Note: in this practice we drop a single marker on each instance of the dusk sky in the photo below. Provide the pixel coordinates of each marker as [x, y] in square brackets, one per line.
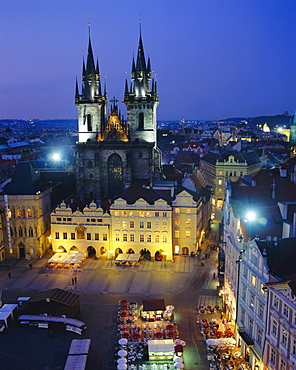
[214, 59]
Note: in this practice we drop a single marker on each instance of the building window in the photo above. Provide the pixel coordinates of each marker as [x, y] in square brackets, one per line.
[132, 237]
[219, 182]
[294, 347]
[187, 234]
[148, 214]
[149, 238]
[157, 238]
[148, 224]
[283, 364]
[9, 213]
[164, 239]
[88, 236]
[177, 233]
[286, 310]
[156, 225]
[251, 325]
[262, 288]
[131, 214]
[124, 213]
[261, 309]
[20, 232]
[177, 222]
[116, 213]
[30, 231]
[142, 214]
[284, 337]
[272, 355]
[125, 237]
[187, 210]
[18, 213]
[141, 224]
[92, 220]
[156, 214]
[124, 224]
[73, 236]
[245, 272]
[80, 233]
[115, 175]
[132, 224]
[164, 225]
[253, 280]
[29, 213]
[177, 210]
[243, 316]
[244, 293]
[141, 238]
[259, 336]
[104, 237]
[65, 236]
[276, 301]
[252, 300]
[57, 235]
[164, 214]
[117, 237]
[274, 327]
[188, 221]
[97, 236]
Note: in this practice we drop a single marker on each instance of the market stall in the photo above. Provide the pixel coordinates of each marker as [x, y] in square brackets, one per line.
[161, 347]
[66, 260]
[128, 259]
[155, 310]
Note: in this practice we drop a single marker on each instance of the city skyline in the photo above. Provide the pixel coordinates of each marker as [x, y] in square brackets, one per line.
[212, 59]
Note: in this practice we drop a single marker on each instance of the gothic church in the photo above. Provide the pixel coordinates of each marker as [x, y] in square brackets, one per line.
[113, 153]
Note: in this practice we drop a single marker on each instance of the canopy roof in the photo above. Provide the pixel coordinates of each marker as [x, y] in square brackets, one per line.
[153, 305]
[129, 257]
[72, 257]
[163, 345]
[55, 295]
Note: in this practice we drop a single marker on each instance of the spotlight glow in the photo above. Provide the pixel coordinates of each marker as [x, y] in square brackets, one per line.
[251, 216]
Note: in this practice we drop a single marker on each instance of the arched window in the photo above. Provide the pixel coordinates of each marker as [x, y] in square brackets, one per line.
[19, 213]
[30, 231]
[141, 121]
[11, 232]
[89, 164]
[80, 232]
[89, 125]
[115, 175]
[9, 213]
[29, 213]
[20, 233]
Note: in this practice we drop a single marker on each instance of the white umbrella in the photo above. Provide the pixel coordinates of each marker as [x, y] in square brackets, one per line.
[122, 366]
[179, 365]
[178, 360]
[122, 360]
[122, 341]
[122, 353]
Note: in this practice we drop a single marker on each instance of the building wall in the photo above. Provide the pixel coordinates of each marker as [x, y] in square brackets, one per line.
[141, 225]
[81, 230]
[29, 223]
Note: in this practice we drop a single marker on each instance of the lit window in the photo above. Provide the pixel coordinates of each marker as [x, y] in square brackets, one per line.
[142, 214]
[131, 214]
[187, 234]
[141, 238]
[157, 238]
[9, 213]
[220, 182]
[124, 237]
[116, 213]
[29, 213]
[177, 222]
[177, 210]
[188, 221]
[104, 237]
[124, 213]
[132, 237]
[164, 239]
[177, 234]
[164, 225]
[262, 288]
[284, 337]
[148, 214]
[252, 300]
[253, 280]
[124, 224]
[149, 238]
[18, 213]
[187, 210]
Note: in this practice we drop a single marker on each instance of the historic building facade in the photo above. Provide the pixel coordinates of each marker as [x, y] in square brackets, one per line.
[113, 153]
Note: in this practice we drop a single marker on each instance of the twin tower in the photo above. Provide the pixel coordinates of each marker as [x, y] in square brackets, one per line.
[114, 153]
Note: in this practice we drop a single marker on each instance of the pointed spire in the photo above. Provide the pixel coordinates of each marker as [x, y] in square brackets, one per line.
[133, 67]
[141, 64]
[126, 87]
[76, 92]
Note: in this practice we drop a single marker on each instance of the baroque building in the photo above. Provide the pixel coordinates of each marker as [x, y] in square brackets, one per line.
[113, 153]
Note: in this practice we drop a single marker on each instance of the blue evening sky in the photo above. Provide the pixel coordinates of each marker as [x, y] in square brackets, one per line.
[213, 58]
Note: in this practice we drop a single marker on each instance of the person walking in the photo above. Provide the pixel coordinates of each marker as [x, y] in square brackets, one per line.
[30, 266]
[75, 280]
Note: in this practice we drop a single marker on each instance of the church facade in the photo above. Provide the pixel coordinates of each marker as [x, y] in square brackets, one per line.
[114, 153]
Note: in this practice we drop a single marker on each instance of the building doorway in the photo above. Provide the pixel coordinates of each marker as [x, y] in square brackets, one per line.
[185, 251]
[91, 252]
[22, 253]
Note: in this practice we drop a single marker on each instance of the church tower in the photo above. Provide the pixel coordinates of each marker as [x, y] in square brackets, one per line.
[91, 104]
[141, 99]
[293, 131]
[113, 153]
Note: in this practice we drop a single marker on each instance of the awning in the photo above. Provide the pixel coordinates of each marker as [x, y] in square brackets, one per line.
[164, 345]
[76, 362]
[72, 257]
[129, 257]
[246, 338]
[220, 341]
